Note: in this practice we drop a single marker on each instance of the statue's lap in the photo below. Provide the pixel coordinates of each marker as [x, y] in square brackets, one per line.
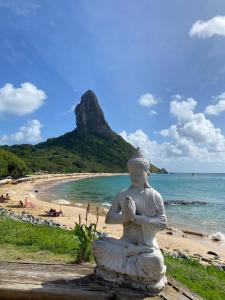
[111, 250]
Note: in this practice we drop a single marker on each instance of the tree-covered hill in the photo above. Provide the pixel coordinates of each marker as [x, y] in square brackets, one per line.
[75, 152]
[11, 165]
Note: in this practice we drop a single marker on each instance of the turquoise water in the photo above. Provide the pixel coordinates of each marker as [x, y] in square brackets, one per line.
[210, 188]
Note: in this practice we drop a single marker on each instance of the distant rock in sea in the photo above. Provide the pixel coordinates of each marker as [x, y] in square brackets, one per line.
[184, 202]
[163, 171]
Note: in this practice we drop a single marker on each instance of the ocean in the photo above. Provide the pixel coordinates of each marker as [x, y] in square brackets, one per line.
[210, 188]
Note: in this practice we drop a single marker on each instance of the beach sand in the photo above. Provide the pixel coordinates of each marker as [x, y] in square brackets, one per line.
[186, 243]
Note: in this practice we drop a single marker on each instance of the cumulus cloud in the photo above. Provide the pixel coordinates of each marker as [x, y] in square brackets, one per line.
[22, 100]
[151, 149]
[182, 109]
[192, 138]
[29, 133]
[147, 100]
[219, 107]
[206, 29]
[194, 128]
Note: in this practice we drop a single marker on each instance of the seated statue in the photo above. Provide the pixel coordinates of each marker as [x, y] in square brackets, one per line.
[135, 260]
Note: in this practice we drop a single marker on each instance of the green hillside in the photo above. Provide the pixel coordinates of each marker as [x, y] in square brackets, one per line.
[76, 152]
[11, 164]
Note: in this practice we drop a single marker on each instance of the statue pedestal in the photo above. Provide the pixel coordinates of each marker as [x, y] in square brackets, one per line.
[121, 280]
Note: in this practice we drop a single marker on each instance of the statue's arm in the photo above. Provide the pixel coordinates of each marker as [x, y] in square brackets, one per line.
[159, 221]
[114, 215]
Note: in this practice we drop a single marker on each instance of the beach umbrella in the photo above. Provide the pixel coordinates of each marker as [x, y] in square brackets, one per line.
[61, 202]
[30, 195]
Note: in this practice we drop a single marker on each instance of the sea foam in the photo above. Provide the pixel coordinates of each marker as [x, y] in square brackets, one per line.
[217, 236]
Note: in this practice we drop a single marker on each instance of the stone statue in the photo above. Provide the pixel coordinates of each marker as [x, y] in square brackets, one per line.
[135, 260]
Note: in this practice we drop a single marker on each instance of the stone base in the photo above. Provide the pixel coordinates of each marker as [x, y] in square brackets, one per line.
[150, 288]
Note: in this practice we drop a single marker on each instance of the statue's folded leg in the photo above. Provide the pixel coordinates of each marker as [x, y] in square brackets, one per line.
[145, 270]
[151, 265]
[109, 253]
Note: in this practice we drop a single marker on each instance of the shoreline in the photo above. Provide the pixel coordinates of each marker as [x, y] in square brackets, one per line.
[169, 240]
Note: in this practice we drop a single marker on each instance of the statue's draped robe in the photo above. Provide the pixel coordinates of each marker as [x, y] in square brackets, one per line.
[137, 253]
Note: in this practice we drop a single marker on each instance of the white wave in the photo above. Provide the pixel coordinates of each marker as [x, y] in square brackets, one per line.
[217, 236]
[107, 204]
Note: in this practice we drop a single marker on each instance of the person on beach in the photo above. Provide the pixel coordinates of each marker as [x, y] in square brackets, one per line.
[2, 199]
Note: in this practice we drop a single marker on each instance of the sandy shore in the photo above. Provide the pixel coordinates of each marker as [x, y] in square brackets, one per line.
[186, 243]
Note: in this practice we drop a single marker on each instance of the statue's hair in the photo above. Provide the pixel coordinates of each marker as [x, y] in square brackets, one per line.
[138, 160]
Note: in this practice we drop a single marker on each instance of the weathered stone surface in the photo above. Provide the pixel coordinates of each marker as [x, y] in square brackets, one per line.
[23, 281]
[89, 116]
[213, 253]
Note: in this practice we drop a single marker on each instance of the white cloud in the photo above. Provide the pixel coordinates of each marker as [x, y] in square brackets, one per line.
[152, 112]
[20, 7]
[193, 140]
[194, 128]
[151, 149]
[181, 109]
[29, 133]
[219, 107]
[72, 108]
[206, 29]
[22, 100]
[147, 100]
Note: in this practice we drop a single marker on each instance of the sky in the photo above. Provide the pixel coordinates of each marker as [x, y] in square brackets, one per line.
[156, 66]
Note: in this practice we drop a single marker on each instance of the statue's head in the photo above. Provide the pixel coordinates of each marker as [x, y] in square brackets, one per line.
[138, 168]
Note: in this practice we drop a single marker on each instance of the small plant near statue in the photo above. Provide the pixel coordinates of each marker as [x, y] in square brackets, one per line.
[85, 234]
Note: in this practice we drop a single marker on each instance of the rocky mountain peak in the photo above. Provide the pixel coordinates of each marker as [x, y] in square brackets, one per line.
[90, 117]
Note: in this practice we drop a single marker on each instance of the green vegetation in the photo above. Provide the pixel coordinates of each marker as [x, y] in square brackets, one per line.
[85, 235]
[37, 239]
[76, 152]
[11, 165]
[11, 252]
[208, 282]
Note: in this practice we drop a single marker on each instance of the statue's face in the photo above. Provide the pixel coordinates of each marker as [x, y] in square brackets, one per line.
[138, 176]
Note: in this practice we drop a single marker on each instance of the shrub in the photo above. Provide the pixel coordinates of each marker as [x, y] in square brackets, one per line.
[85, 235]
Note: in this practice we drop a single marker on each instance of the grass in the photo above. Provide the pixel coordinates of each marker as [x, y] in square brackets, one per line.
[208, 282]
[27, 238]
[27, 242]
[10, 252]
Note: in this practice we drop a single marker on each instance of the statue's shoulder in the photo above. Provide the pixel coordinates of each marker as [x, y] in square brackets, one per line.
[153, 193]
[122, 194]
